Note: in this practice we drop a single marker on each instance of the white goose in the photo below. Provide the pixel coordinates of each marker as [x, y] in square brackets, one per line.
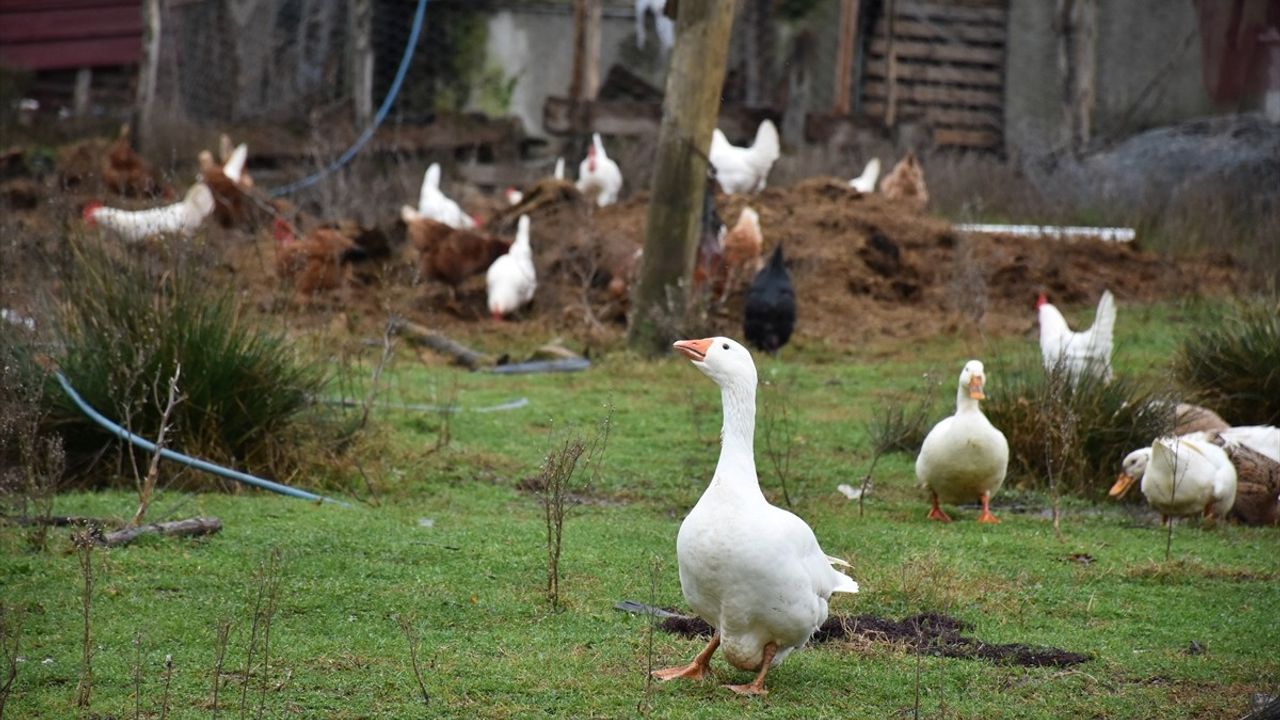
[753, 571]
[964, 457]
[1181, 476]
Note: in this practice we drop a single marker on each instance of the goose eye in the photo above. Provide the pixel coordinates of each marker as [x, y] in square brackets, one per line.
[725, 346]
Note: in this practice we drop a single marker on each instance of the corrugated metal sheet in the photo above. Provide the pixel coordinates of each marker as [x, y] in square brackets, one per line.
[60, 34]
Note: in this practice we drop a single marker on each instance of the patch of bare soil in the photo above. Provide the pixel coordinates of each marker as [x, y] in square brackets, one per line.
[930, 633]
[864, 268]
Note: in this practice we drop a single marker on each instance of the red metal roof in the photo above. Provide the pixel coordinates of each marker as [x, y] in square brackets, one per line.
[60, 34]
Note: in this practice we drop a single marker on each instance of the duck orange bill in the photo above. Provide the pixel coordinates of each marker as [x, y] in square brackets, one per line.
[695, 350]
[1123, 483]
[975, 389]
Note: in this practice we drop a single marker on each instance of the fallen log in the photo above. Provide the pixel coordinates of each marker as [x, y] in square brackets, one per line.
[183, 528]
[428, 338]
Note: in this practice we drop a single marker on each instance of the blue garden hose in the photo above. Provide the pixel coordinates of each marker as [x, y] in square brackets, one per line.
[381, 115]
[209, 467]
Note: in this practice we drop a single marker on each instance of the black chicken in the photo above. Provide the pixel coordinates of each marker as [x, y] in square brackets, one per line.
[771, 306]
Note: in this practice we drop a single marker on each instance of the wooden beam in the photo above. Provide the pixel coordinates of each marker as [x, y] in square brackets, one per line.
[848, 42]
[878, 68]
[689, 112]
[974, 97]
[944, 52]
[925, 30]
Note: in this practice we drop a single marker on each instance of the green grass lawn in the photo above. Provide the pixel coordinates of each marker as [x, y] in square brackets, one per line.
[472, 582]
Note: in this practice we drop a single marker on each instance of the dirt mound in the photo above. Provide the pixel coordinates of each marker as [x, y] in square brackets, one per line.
[863, 267]
[930, 633]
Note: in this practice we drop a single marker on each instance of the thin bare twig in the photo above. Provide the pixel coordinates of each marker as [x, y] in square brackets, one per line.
[148, 484]
[410, 632]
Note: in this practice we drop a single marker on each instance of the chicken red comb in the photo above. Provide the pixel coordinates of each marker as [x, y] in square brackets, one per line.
[1042, 300]
[479, 221]
[281, 230]
[87, 214]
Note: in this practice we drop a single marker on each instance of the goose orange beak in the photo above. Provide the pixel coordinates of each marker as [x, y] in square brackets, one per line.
[695, 350]
[975, 388]
[1123, 483]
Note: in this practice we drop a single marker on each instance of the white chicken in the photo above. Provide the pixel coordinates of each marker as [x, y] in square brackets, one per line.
[511, 279]
[866, 182]
[180, 218]
[741, 170]
[558, 173]
[1079, 353]
[664, 26]
[598, 175]
[435, 205]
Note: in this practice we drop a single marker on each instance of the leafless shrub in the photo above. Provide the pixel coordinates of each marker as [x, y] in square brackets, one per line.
[646, 699]
[84, 543]
[410, 632]
[11, 619]
[219, 658]
[168, 679]
[556, 487]
[147, 485]
[900, 425]
[778, 430]
[31, 462]
[265, 604]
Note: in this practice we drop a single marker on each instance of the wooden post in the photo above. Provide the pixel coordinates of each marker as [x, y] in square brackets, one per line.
[80, 93]
[585, 80]
[1077, 25]
[689, 112]
[848, 41]
[362, 61]
[148, 71]
[891, 68]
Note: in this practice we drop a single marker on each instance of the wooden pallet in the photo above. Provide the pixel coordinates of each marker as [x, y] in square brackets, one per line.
[942, 63]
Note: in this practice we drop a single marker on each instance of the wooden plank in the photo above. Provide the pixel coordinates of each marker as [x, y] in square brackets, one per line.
[942, 52]
[934, 115]
[940, 94]
[994, 15]
[36, 26]
[64, 54]
[891, 75]
[17, 6]
[967, 138]
[948, 74]
[945, 32]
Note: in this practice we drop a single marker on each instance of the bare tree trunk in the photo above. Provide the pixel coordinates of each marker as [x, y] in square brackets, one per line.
[362, 60]
[1077, 25]
[148, 72]
[759, 56]
[848, 41]
[689, 113]
[587, 16]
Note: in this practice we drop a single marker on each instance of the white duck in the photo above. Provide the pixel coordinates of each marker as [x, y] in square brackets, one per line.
[741, 170]
[753, 571]
[866, 182]
[599, 175]
[1080, 353]
[180, 218]
[1181, 476]
[511, 279]
[435, 205]
[964, 457]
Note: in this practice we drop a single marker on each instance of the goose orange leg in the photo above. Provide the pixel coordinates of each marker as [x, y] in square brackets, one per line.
[756, 687]
[695, 670]
[986, 516]
[936, 513]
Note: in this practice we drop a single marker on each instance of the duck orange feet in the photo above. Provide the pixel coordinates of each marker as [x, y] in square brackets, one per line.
[695, 670]
[986, 516]
[936, 512]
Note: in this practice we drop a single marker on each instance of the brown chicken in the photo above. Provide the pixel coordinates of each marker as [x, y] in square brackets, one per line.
[126, 172]
[448, 255]
[906, 183]
[228, 196]
[315, 263]
[740, 253]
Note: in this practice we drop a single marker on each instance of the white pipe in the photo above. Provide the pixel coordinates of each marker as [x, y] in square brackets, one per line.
[1106, 234]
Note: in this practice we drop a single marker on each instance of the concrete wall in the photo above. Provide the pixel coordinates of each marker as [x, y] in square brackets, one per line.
[536, 46]
[1141, 44]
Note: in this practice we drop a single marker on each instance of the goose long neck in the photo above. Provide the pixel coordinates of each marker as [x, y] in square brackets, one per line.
[737, 436]
[964, 403]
